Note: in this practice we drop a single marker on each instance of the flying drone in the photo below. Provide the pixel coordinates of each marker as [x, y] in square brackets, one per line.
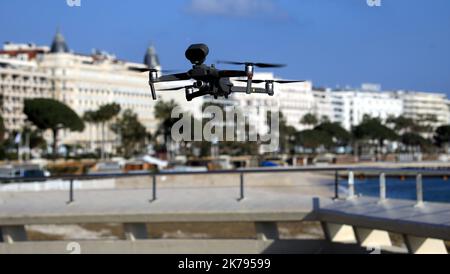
[208, 80]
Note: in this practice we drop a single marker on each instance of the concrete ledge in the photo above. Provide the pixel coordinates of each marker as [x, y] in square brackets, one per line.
[418, 245]
[12, 234]
[398, 216]
[372, 237]
[168, 217]
[137, 231]
[266, 231]
[339, 233]
[183, 247]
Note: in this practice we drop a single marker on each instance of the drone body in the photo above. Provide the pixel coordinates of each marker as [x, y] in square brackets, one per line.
[208, 80]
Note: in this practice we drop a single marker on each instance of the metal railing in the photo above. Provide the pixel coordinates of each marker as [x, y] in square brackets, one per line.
[338, 172]
[417, 174]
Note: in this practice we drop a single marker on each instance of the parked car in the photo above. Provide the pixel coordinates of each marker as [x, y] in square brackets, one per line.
[21, 172]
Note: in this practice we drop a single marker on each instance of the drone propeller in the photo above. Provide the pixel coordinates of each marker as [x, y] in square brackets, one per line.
[273, 81]
[148, 69]
[176, 88]
[232, 73]
[259, 65]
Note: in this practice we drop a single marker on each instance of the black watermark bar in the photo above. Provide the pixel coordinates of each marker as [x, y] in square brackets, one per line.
[228, 263]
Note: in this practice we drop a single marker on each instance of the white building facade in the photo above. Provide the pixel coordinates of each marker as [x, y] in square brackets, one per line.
[83, 82]
[293, 100]
[425, 106]
[20, 79]
[350, 107]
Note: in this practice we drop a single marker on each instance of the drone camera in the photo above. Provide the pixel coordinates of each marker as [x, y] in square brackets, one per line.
[189, 92]
[198, 84]
[269, 88]
[197, 53]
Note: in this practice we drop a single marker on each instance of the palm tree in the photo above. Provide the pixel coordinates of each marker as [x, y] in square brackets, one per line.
[309, 120]
[2, 129]
[373, 129]
[90, 118]
[163, 112]
[104, 115]
[132, 133]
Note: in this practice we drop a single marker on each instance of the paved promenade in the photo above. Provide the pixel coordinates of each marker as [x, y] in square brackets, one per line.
[222, 204]
[174, 204]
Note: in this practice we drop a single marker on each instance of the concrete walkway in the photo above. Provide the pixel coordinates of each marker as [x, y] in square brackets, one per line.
[363, 220]
[222, 205]
[172, 205]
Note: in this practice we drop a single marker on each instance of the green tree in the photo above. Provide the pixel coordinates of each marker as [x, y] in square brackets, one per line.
[49, 114]
[402, 123]
[233, 148]
[340, 136]
[415, 140]
[2, 130]
[288, 134]
[2, 138]
[325, 119]
[132, 133]
[103, 115]
[373, 129]
[410, 128]
[163, 113]
[90, 117]
[442, 137]
[35, 137]
[309, 120]
[314, 139]
[426, 124]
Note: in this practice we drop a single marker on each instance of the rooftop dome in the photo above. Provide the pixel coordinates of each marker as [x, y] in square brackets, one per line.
[151, 59]
[59, 44]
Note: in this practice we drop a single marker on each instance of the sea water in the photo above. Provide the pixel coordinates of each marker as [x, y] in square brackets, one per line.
[435, 189]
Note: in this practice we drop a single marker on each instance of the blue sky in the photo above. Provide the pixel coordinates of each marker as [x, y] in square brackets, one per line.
[404, 44]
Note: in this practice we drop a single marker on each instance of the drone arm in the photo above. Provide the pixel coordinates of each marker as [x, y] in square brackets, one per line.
[249, 70]
[173, 77]
[236, 89]
[194, 95]
[249, 86]
[152, 88]
[152, 77]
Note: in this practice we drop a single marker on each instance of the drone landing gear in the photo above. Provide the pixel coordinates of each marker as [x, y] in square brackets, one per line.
[250, 70]
[190, 94]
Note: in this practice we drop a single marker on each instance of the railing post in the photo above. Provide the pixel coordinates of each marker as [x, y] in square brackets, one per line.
[382, 187]
[71, 198]
[242, 194]
[154, 196]
[336, 184]
[419, 190]
[351, 185]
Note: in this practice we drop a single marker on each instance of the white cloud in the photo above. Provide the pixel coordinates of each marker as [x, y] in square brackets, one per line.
[235, 8]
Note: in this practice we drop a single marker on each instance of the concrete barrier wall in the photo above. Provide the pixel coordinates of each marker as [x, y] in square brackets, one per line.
[307, 180]
[58, 185]
[182, 247]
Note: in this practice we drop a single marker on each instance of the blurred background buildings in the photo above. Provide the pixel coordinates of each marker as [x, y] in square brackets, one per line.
[86, 81]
